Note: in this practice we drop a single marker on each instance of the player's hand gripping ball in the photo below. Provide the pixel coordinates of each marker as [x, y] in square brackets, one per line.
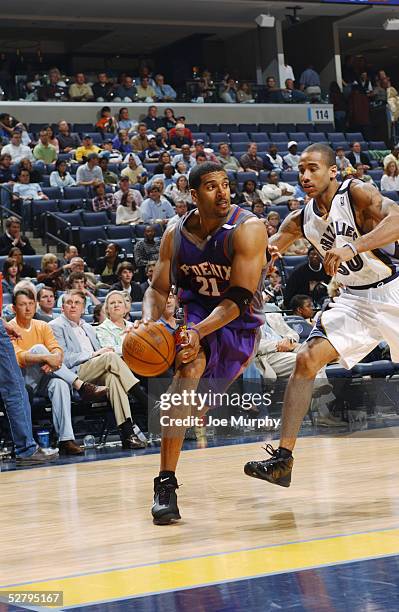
[149, 350]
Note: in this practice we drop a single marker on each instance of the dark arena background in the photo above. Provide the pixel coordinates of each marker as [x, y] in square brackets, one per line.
[107, 113]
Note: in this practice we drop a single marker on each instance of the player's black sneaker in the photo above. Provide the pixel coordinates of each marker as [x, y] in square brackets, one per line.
[164, 509]
[277, 469]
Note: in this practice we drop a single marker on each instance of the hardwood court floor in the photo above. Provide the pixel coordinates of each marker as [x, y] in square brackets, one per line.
[94, 517]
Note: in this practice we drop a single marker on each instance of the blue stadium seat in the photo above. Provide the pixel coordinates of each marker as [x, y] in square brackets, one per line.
[73, 218]
[281, 209]
[137, 306]
[53, 193]
[324, 127]
[91, 219]
[302, 145]
[377, 145]
[259, 137]
[286, 127]
[336, 136]
[228, 127]
[34, 260]
[379, 369]
[278, 137]
[282, 147]
[200, 136]
[139, 230]
[239, 137]
[120, 231]
[267, 127]
[91, 234]
[245, 176]
[45, 182]
[127, 244]
[72, 193]
[298, 136]
[354, 136]
[36, 127]
[64, 156]
[392, 195]
[208, 127]
[239, 147]
[305, 127]
[97, 137]
[289, 176]
[194, 127]
[70, 205]
[150, 168]
[219, 137]
[317, 137]
[248, 127]
[376, 174]
[82, 128]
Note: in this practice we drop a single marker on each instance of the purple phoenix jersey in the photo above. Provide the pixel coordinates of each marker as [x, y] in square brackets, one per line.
[201, 271]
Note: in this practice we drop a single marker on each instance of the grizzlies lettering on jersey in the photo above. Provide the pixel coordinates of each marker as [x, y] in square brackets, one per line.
[201, 269]
[339, 227]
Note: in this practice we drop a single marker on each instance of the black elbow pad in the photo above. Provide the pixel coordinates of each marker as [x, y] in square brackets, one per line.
[240, 296]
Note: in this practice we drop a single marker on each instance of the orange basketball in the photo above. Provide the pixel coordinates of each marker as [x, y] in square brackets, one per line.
[149, 350]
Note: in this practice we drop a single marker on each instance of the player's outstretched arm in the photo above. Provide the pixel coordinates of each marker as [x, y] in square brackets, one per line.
[289, 231]
[378, 219]
[155, 297]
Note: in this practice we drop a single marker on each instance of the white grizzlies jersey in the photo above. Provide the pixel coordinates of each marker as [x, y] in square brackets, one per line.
[338, 228]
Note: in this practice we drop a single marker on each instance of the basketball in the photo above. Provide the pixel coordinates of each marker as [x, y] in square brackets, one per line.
[149, 350]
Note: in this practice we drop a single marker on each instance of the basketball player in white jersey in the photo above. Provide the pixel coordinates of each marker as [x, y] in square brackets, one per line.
[355, 229]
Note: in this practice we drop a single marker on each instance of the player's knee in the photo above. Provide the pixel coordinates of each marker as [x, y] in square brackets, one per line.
[192, 370]
[306, 366]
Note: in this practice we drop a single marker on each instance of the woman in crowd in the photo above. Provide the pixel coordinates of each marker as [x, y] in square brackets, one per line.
[60, 177]
[181, 168]
[126, 283]
[169, 120]
[11, 275]
[52, 275]
[52, 139]
[162, 138]
[111, 333]
[124, 122]
[390, 178]
[164, 159]
[36, 175]
[25, 270]
[251, 194]
[127, 212]
[179, 191]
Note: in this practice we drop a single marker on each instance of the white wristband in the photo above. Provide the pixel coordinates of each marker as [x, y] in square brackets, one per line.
[352, 247]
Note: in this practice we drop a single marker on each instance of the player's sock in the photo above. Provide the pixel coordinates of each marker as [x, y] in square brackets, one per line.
[284, 453]
[165, 474]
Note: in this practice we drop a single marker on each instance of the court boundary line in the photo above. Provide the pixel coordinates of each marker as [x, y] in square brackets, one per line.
[232, 580]
[203, 556]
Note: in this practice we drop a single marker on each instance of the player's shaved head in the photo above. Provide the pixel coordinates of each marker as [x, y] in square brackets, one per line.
[201, 170]
[326, 152]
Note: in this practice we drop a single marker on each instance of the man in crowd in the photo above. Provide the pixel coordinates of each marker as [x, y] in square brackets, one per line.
[181, 209]
[156, 208]
[44, 151]
[145, 92]
[163, 92]
[308, 279]
[41, 357]
[146, 250]
[357, 156]
[102, 88]
[110, 178]
[125, 190]
[140, 141]
[277, 191]
[90, 174]
[83, 152]
[14, 238]
[16, 149]
[152, 121]
[292, 159]
[68, 142]
[226, 159]
[84, 357]
[56, 90]
[273, 161]
[126, 91]
[251, 160]
[80, 91]
[45, 305]
[184, 156]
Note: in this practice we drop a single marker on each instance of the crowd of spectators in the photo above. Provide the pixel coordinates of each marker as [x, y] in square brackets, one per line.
[73, 313]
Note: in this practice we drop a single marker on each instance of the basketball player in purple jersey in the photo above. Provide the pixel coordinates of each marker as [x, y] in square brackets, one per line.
[216, 256]
[355, 229]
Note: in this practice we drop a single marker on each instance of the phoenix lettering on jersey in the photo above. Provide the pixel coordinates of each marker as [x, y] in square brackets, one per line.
[337, 228]
[207, 269]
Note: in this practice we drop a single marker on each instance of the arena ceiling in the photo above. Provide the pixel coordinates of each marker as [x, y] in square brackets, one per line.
[140, 26]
